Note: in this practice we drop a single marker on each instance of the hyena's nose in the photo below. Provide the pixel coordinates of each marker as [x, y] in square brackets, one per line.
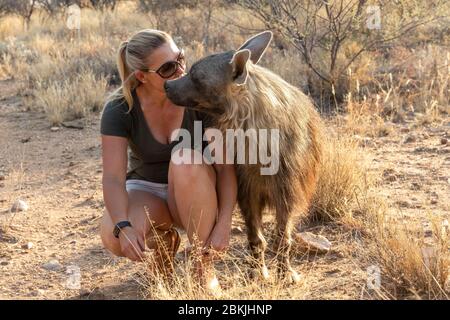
[166, 87]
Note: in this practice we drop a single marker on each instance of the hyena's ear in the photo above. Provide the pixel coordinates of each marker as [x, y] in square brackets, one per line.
[239, 66]
[258, 45]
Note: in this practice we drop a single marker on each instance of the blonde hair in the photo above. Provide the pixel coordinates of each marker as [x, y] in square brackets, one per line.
[133, 55]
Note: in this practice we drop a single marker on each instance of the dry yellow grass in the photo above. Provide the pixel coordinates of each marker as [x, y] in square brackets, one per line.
[67, 76]
[73, 98]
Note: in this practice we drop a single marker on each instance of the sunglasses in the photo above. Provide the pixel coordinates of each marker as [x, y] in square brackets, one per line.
[169, 68]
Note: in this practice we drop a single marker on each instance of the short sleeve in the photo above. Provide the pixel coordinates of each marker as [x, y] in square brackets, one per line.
[115, 121]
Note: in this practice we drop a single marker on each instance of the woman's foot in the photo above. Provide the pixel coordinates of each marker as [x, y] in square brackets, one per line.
[205, 275]
[165, 244]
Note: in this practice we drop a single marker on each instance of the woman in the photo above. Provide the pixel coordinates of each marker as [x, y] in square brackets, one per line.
[150, 195]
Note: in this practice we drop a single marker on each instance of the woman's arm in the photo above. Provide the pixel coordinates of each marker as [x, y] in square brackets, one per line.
[114, 155]
[226, 195]
[226, 188]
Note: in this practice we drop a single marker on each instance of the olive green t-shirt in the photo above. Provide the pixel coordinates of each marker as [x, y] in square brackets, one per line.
[148, 159]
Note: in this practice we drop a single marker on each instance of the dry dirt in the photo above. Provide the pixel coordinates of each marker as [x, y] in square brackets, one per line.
[58, 173]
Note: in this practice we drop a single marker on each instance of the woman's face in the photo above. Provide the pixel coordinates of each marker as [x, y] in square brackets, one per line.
[166, 53]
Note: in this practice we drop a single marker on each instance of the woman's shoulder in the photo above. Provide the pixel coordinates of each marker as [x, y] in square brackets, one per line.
[116, 105]
[115, 118]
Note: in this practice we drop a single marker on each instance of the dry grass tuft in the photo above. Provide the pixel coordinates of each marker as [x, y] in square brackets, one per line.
[73, 98]
[343, 181]
[413, 265]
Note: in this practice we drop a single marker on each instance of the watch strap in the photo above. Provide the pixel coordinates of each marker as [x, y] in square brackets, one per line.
[119, 226]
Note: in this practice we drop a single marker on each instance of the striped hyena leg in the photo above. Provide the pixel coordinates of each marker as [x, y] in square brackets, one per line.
[252, 212]
[283, 242]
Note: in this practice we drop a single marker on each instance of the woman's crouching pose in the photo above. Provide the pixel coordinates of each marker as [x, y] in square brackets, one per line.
[146, 193]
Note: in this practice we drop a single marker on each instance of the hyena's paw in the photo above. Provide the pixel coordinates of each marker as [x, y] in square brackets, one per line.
[292, 277]
[260, 273]
[288, 275]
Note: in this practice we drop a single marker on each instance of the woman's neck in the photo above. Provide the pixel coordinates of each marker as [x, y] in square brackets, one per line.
[151, 98]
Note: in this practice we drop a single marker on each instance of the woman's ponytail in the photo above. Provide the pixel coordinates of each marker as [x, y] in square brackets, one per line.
[129, 81]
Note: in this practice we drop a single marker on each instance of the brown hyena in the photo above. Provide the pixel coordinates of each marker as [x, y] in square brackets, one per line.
[239, 94]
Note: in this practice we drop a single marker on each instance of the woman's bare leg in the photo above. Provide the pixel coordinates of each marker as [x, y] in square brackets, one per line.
[192, 201]
[158, 212]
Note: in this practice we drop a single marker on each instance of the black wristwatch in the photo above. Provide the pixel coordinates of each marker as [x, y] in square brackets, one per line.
[119, 226]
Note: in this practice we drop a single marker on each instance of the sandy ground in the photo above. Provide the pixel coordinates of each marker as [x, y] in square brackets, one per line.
[58, 173]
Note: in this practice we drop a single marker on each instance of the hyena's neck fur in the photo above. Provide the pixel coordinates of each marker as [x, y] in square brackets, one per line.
[266, 101]
[265, 96]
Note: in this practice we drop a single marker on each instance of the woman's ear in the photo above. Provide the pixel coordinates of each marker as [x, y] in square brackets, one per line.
[140, 76]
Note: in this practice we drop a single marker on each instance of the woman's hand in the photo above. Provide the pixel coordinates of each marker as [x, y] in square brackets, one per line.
[132, 244]
[219, 239]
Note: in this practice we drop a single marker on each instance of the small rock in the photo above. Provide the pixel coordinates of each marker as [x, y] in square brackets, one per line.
[409, 138]
[433, 201]
[405, 130]
[425, 149]
[415, 186]
[4, 263]
[71, 164]
[19, 205]
[390, 178]
[313, 242]
[444, 141]
[2, 177]
[38, 292]
[54, 129]
[53, 265]
[84, 292]
[25, 140]
[73, 242]
[404, 203]
[28, 246]
[75, 124]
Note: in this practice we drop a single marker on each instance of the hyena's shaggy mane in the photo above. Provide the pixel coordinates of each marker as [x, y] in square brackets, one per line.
[267, 101]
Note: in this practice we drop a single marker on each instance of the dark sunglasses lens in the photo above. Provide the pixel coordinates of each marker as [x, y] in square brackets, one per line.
[168, 69]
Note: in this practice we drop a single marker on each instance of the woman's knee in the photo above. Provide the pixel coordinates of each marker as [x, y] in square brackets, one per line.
[190, 171]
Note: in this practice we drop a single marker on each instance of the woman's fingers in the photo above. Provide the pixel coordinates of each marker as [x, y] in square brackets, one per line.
[141, 243]
[131, 247]
[132, 252]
